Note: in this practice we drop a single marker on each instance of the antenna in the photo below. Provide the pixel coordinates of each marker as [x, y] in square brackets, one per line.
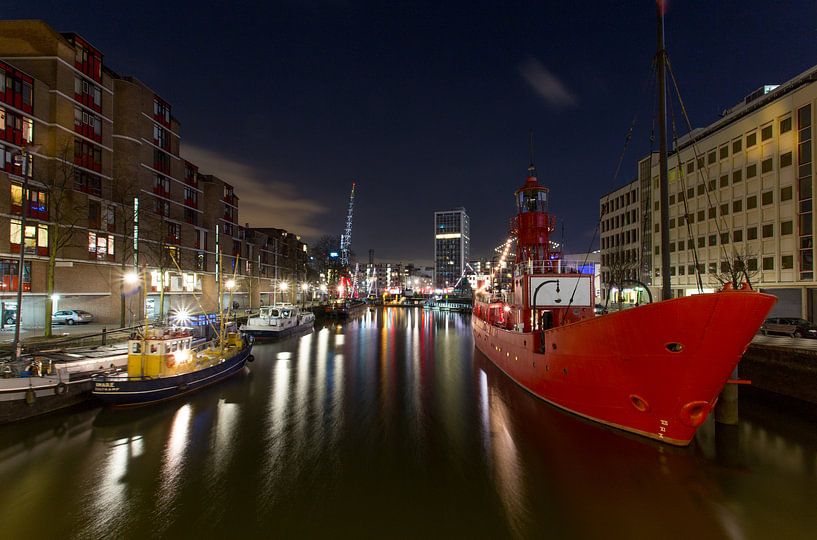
[531, 167]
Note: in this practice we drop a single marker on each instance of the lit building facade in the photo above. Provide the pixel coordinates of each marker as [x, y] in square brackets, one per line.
[740, 196]
[109, 194]
[620, 241]
[451, 246]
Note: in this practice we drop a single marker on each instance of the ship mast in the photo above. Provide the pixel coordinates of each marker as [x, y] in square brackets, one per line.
[661, 60]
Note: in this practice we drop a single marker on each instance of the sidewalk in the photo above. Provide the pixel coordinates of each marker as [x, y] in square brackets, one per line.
[59, 331]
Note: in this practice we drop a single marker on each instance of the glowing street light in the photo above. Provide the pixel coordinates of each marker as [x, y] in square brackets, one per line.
[181, 316]
[230, 285]
[283, 286]
[304, 287]
[131, 278]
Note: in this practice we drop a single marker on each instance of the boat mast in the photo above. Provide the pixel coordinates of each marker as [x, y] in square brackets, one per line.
[661, 60]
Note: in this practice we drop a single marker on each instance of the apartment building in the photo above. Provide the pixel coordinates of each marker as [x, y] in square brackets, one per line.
[56, 100]
[109, 194]
[741, 196]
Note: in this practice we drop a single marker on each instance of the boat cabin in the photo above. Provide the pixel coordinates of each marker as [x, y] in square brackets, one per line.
[161, 353]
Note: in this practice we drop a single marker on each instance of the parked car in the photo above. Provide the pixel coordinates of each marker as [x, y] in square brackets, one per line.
[799, 328]
[9, 316]
[72, 316]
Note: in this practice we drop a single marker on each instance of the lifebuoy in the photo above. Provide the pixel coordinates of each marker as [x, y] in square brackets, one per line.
[171, 361]
[61, 388]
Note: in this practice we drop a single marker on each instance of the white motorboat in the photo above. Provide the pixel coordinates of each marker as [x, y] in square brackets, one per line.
[277, 321]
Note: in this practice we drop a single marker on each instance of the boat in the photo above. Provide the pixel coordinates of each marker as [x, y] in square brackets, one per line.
[278, 321]
[655, 369]
[52, 380]
[344, 308]
[163, 364]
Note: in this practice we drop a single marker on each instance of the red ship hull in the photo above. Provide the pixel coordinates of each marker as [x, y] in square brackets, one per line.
[655, 370]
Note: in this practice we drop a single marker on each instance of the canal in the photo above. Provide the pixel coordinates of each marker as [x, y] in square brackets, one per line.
[391, 425]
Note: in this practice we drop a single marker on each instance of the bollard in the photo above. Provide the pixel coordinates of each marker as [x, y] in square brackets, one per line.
[104, 336]
[726, 411]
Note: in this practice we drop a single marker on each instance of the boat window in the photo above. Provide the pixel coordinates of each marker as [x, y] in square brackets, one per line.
[174, 346]
[273, 313]
[532, 200]
[154, 348]
[285, 313]
[264, 312]
[137, 348]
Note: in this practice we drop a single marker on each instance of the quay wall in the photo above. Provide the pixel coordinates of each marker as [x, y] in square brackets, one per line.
[782, 370]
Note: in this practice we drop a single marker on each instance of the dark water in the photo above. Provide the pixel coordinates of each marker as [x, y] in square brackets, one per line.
[393, 426]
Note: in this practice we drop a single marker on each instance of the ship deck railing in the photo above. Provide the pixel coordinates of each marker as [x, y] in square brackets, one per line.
[556, 266]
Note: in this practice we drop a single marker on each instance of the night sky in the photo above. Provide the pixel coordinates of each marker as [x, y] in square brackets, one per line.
[428, 106]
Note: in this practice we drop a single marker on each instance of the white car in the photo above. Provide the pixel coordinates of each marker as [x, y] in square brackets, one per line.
[72, 316]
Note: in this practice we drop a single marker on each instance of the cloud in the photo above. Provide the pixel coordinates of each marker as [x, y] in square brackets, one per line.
[547, 85]
[262, 202]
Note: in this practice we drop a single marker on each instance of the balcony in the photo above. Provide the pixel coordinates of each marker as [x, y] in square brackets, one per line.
[161, 191]
[35, 210]
[87, 162]
[191, 203]
[42, 251]
[158, 117]
[230, 199]
[162, 166]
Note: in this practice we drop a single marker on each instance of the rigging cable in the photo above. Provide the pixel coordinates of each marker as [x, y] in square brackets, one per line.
[698, 160]
[648, 83]
[684, 196]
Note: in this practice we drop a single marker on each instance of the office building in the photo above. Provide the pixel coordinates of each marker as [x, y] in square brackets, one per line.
[740, 199]
[451, 246]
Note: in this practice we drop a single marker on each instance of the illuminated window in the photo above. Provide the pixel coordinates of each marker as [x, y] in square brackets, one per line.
[16, 195]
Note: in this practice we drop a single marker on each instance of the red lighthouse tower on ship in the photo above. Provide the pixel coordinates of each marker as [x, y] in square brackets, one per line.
[655, 370]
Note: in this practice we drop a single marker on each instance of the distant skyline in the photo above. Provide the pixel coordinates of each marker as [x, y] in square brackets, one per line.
[428, 106]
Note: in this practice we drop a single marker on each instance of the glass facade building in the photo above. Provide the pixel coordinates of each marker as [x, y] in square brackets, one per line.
[451, 246]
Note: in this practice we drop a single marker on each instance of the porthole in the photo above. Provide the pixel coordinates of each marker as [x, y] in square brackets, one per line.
[674, 347]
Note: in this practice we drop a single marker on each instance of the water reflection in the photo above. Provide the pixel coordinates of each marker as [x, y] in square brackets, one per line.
[392, 425]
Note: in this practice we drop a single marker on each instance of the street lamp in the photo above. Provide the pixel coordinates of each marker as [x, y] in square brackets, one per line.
[283, 286]
[230, 284]
[24, 154]
[304, 290]
[131, 278]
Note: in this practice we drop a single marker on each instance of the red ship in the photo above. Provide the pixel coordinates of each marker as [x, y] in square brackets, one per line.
[655, 370]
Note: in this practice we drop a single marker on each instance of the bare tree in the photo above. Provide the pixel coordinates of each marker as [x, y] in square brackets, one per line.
[63, 222]
[735, 269]
[622, 265]
[124, 191]
[158, 247]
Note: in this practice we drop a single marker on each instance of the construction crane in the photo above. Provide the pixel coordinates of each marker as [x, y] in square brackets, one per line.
[347, 284]
[346, 237]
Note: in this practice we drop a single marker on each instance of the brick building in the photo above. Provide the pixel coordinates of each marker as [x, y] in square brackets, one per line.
[110, 195]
